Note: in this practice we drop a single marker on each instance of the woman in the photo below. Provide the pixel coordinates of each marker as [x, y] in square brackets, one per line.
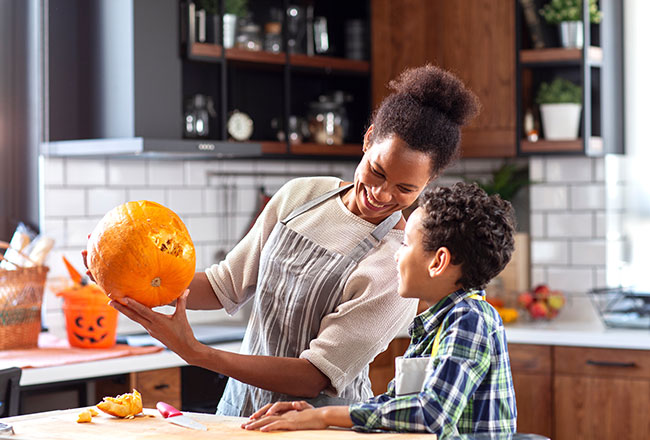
[318, 263]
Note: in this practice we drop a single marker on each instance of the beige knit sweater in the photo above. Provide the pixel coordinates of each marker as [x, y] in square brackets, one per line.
[371, 312]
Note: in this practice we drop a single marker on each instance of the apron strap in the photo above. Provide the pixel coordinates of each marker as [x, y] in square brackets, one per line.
[436, 341]
[317, 201]
[377, 234]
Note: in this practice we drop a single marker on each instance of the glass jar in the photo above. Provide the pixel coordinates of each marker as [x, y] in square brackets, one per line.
[249, 37]
[326, 122]
[273, 37]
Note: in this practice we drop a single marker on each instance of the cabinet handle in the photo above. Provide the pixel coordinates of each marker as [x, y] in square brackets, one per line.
[161, 386]
[611, 364]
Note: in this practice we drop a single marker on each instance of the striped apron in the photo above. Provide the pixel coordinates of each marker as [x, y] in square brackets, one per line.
[299, 283]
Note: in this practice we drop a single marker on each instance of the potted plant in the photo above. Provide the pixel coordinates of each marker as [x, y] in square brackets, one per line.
[560, 103]
[568, 15]
[233, 9]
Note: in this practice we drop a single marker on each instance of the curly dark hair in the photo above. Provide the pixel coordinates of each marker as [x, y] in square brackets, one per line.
[478, 230]
[426, 110]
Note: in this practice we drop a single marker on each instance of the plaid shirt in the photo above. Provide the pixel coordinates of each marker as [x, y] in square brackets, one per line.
[470, 387]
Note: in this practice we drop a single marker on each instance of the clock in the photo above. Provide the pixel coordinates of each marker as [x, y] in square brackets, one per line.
[240, 126]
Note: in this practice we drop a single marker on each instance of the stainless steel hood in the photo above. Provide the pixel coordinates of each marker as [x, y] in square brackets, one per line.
[151, 149]
[114, 83]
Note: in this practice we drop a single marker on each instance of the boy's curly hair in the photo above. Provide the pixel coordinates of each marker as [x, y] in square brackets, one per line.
[426, 110]
[478, 230]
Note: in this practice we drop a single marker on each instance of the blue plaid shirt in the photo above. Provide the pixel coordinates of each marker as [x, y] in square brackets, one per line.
[470, 386]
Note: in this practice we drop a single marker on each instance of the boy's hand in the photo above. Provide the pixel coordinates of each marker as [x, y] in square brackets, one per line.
[311, 418]
[279, 408]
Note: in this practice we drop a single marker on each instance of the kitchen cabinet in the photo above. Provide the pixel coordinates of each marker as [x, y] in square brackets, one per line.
[382, 368]
[581, 393]
[408, 34]
[601, 393]
[597, 67]
[532, 378]
[275, 88]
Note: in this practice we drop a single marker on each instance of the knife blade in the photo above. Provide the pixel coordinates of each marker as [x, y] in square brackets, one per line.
[173, 415]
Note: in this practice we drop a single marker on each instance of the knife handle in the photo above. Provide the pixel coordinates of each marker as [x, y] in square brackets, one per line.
[167, 410]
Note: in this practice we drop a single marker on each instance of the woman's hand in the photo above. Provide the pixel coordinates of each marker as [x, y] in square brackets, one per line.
[173, 331]
[279, 408]
[291, 420]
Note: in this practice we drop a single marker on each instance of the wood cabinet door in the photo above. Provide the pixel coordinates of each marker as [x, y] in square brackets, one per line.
[531, 376]
[158, 385]
[601, 408]
[475, 39]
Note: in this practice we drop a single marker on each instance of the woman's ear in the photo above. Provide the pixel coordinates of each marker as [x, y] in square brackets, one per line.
[439, 263]
[366, 138]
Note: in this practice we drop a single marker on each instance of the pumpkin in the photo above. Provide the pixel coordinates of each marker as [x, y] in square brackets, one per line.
[89, 320]
[124, 405]
[141, 250]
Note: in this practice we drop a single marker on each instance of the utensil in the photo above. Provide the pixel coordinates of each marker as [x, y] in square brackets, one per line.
[173, 415]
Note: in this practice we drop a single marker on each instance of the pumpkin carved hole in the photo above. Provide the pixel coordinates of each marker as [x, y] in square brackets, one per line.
[168, 245]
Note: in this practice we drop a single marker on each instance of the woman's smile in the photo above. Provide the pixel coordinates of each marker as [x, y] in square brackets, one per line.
[371, 202]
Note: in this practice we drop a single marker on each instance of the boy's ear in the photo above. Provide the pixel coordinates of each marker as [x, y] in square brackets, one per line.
[440, 262]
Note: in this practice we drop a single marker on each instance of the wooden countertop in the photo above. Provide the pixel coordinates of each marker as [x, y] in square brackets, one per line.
[61, 425]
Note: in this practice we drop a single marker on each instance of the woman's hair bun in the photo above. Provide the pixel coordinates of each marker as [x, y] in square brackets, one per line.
[435, 87]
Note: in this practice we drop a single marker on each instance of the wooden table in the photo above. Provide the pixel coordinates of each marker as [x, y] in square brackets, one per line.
[62, 425]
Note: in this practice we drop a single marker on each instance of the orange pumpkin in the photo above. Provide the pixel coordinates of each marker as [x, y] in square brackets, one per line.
[142, 250]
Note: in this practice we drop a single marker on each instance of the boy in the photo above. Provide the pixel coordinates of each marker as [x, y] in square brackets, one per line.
[457, 240]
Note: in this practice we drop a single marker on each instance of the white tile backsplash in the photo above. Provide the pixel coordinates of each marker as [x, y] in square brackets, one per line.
[591, 196]
[78, 230]
[549, 252]
[569, 225]
[85, 172]
[146, 193]
[568, 170]
[571, 217]
[549, 197]
[589, 252]
[185, 200]
[102, 200]
[165, 173]
[64, 202]
[53, 172]
[571, 279]
[126, 172]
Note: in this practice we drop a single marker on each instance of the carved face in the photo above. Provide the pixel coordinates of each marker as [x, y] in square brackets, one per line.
[91, 328]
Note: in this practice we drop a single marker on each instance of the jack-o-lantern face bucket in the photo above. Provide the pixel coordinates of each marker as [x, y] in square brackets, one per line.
[89, 321]
[91, 327]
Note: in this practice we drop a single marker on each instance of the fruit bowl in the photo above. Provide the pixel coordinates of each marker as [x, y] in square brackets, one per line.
[542, 303]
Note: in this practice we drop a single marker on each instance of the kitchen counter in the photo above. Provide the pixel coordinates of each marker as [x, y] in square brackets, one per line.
[110, 367]
[577, 325]
[61, 425]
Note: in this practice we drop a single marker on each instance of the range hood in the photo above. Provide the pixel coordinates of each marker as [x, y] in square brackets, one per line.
[114, 83]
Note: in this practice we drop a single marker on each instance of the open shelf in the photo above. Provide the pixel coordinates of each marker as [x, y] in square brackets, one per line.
[559, 55]
[571, 146]
[308, 148]
[214, 52]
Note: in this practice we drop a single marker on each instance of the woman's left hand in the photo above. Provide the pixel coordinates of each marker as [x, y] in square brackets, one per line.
[289, 421]
[174, 331]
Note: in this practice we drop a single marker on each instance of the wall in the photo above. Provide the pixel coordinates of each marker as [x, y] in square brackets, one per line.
[217, 209]
[576, 210]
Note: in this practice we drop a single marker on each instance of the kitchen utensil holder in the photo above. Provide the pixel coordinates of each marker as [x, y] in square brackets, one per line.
[21, 298]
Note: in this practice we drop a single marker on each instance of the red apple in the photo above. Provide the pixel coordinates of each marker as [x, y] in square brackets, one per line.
[538, 310]
[525, 299]
[542, 291]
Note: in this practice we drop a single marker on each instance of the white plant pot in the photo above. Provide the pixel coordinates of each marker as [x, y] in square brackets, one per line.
[229, 30]
[571, 34]
[561, 122]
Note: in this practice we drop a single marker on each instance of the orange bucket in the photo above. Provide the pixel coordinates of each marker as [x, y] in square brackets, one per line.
[89, 321]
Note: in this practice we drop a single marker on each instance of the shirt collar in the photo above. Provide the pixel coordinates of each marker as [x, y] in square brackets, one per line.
[430, 319]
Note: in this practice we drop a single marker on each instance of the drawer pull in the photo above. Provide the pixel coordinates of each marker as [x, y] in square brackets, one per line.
[611, 364]
[161, 386]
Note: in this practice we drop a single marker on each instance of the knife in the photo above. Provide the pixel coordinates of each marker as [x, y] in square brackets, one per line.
[175, 416]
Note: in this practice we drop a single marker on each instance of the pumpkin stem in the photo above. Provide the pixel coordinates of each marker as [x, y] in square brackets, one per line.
[155, 282]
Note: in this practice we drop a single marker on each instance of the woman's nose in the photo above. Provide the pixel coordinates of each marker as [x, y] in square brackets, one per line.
[382, 194]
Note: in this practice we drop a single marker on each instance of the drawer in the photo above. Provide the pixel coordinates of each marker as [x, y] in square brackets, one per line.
[158, 385]
[605, 362]
[530, 358]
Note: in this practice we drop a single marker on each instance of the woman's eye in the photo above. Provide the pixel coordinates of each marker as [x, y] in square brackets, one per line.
[376, 173]
[405, 190]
